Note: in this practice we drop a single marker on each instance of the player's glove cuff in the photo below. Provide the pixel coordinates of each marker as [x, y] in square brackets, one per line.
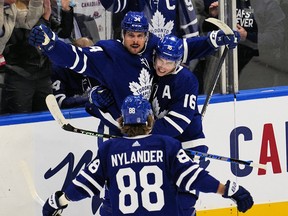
[219, 38]
[239, 195]
[53, 206]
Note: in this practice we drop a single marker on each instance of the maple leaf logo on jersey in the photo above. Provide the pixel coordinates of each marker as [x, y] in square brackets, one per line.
[156, 109]
[144, 86]
[158, 26]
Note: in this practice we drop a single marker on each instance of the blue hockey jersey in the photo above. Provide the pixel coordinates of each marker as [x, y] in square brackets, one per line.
[176, 17]
[70, 89]
[142, 175]
[174, 101]
[114, 67]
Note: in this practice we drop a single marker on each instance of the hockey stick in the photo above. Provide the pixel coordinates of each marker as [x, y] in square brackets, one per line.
[232, 160]
[58, 116]
[228, 31]
[29, 180]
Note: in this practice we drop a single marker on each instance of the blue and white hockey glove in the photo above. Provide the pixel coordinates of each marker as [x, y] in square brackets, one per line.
[239, 195]
[101, 97]
[52, 206]
[218, 38]
[43, 37]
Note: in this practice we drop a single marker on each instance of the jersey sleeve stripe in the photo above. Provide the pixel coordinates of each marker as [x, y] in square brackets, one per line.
[84, 64]
[91, 180]
[84, 187]
[76, 59]
[185, 54]
[185, 173]
[119, 9]
[194, 34]
[176, 126]
[60, 98]
[193, 22]
[178, 115]
[193, 143]
[192, 179]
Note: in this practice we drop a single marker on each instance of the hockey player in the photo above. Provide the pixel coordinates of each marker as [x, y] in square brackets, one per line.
[174, 100]
[154, 165]
[125, 67]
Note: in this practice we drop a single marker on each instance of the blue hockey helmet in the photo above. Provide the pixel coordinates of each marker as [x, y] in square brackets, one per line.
[135, 110]
[135, 21]
[170, 48]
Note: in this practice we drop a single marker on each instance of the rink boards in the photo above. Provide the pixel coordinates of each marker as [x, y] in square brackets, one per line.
[38, 157]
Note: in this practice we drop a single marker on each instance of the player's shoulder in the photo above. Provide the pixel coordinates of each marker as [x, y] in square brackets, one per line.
[165, 140]
[185, 75]
[111, 43]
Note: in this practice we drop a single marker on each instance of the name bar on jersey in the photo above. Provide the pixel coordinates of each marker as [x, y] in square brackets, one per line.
[144, 156]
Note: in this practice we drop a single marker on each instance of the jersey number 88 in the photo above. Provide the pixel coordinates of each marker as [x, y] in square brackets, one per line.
[129, 208]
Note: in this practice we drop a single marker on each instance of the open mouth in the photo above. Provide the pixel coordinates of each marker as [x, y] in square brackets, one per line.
[135, 46]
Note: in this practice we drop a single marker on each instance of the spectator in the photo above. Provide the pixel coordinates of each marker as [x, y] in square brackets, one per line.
[71, 89]
[163, 16]
[260, 24]
[11, 17]
[28, 71]
[168, 168]
[271, 30]
[246, 26]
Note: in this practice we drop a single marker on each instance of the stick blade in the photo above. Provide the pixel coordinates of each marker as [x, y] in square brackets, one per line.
[55, 110]
[221, 25]
[260, 166]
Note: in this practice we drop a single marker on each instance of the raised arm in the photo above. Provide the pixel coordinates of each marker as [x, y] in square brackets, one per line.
[35, 11]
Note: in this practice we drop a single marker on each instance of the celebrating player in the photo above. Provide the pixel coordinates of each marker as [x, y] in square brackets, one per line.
[143, 171]
[174, 100]
[125, 67]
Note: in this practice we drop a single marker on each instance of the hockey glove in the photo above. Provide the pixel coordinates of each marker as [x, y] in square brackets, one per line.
[218, 38]
[239, 195]
[42, 37]
[101, 97]
[52, 206]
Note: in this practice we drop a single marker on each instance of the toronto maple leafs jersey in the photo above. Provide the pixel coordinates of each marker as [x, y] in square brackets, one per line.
[176, 17]
[142, 175]
[174, 101]
[70, 89]
[116, 68]
[111, 64]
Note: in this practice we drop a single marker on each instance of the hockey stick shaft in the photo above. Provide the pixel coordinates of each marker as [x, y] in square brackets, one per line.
[228, 31]
[231, 160]
[60, 119]
[69, 127]
[58, 116]
[215, 79]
